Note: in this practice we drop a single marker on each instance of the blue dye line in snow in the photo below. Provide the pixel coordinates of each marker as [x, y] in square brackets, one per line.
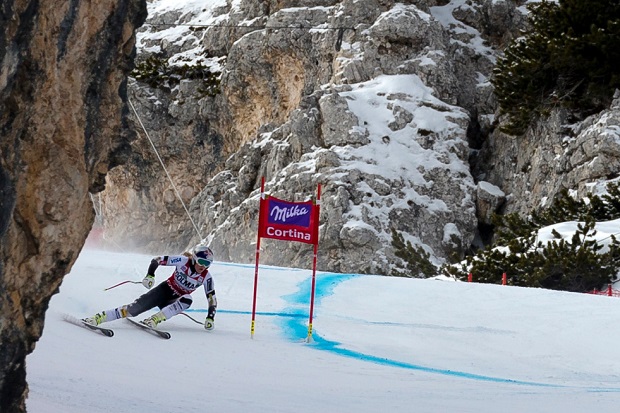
[325, 285]
[294, 325]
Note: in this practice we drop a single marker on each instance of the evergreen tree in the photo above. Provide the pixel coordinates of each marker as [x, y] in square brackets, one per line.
[156, 72]
[570, 56]
[417, 262]
[578, 265]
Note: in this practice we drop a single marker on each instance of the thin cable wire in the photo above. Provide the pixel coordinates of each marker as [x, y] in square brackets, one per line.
[165, 170]
[98, 211]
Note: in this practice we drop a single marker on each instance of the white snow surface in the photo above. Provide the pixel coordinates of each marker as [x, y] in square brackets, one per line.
[381, 344]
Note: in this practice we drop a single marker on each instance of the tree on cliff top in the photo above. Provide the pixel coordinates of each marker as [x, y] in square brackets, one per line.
[570, 57]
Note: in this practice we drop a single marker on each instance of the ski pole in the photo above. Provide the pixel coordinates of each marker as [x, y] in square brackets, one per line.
[121, 283]
[192, 318]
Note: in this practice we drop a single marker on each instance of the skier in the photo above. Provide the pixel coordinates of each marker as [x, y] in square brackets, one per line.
[172, 296]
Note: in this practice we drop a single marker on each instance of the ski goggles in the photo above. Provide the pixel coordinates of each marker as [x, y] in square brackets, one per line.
[204, 262]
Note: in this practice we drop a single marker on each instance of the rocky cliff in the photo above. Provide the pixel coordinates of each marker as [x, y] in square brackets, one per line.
[554, 154]
[63, 68]
[294, 82]
[387, 104]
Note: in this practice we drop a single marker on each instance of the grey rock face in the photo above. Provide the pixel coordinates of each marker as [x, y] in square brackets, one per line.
[371, 182]
[554, 155]
[489, 200]
[293, 83]
[294, 80]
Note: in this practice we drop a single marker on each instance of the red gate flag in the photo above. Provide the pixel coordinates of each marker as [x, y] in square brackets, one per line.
[288, 221]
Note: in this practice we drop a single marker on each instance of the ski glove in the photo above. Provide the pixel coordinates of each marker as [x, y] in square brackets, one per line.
[209, 323]
[148, 281]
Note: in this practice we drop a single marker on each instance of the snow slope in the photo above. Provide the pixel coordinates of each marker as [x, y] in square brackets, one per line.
[381, 344]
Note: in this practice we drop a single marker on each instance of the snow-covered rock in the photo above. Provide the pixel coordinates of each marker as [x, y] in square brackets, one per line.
[387, 105]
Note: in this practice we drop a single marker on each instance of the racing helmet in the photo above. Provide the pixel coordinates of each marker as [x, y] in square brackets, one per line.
[202, 255]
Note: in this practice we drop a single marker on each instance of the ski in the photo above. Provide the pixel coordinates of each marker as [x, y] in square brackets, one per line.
[81, 323]
[162, 334]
